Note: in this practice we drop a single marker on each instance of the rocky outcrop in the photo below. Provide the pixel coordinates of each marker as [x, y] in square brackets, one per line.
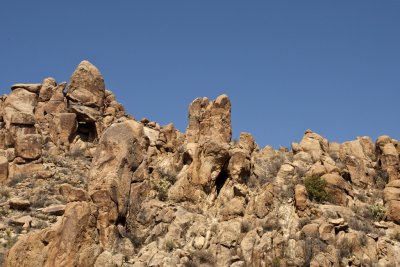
[83, 184]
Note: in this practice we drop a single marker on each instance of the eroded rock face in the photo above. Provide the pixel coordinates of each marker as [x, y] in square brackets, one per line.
[119, 192]
[86, 86]
[210, 119]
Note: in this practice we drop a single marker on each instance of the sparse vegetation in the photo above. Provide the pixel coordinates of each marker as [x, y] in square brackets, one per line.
[316, 189]
[4, 193]
[16, 179]
[244, 227]
[161, 186]
[204, 257]
[377, 211]
[76, 152]
[346, 248]
[169, 245]
[276, 262]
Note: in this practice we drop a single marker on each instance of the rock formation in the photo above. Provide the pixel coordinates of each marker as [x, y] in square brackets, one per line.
[84, 184]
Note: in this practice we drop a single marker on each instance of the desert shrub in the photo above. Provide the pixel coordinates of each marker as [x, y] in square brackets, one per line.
[312, 247]
[377, 211]
[161, 186]
[287, 191]
[362, 197]
[396, 236]
[276, 262]
[359, 224]
[381, 179]
[244, 226]
[169, 245]
[38, 200]
[204, 257]
[316, 189]
[346, 248]
[16, 179]
[4, 193]
[304, 221]
[189, 263]
[135, 239]
[363, 239]
[76, 152]
[270, 225]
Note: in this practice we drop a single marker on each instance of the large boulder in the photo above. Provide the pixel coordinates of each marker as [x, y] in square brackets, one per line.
[72, 241]
[86, 86]
[19, 107]
[391, 196]
[358, 156]
[313, 144]
[62, 128]
[120, 151]
[210, 119]
[388, 156]
[29, 146]
[3, 169]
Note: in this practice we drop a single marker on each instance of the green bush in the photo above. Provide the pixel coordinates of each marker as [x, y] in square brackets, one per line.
[377, 211]
[316, 188]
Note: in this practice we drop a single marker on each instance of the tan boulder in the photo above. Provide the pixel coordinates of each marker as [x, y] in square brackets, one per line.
[391, 197]
[62, 128]
[19, 106]
[358, 156]
[57, 210]
[46, 91]
[120, 151]
[72, 241]
[57, 103]
[210, 119]
[29, 146]
[300, 197]
[19, 203]
[72, 194]
[31, 87]
[3, 169]
[338, 188]
[209, 159]
[313, 144]
[311, 230]
[86, 86]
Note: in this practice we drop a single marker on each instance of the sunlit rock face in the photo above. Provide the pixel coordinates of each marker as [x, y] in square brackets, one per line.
[84, 184]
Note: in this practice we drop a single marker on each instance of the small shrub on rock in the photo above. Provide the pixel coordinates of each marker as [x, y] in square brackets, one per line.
[316, 189]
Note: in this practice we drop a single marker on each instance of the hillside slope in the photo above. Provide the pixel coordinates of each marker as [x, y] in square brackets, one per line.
[84, 184]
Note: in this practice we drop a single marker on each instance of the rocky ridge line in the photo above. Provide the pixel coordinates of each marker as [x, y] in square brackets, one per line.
[129, 193]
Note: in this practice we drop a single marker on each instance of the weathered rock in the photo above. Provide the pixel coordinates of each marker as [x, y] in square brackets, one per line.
[3, 169]
[46, 91]
[63, 127]
[31, 87]
[19, 106]
[313, 144]
[73, 241]
[338, 188]
[300, 197]
[54, 210]
[19, 204]
[24, 221]
[391, 196]
[210, 119]
[389, 157]
[72, 194]
[120, 151]
[29, 146]
[57, 103]
[86, 86]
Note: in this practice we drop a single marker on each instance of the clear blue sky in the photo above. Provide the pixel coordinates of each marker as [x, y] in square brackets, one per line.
[331, 66]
